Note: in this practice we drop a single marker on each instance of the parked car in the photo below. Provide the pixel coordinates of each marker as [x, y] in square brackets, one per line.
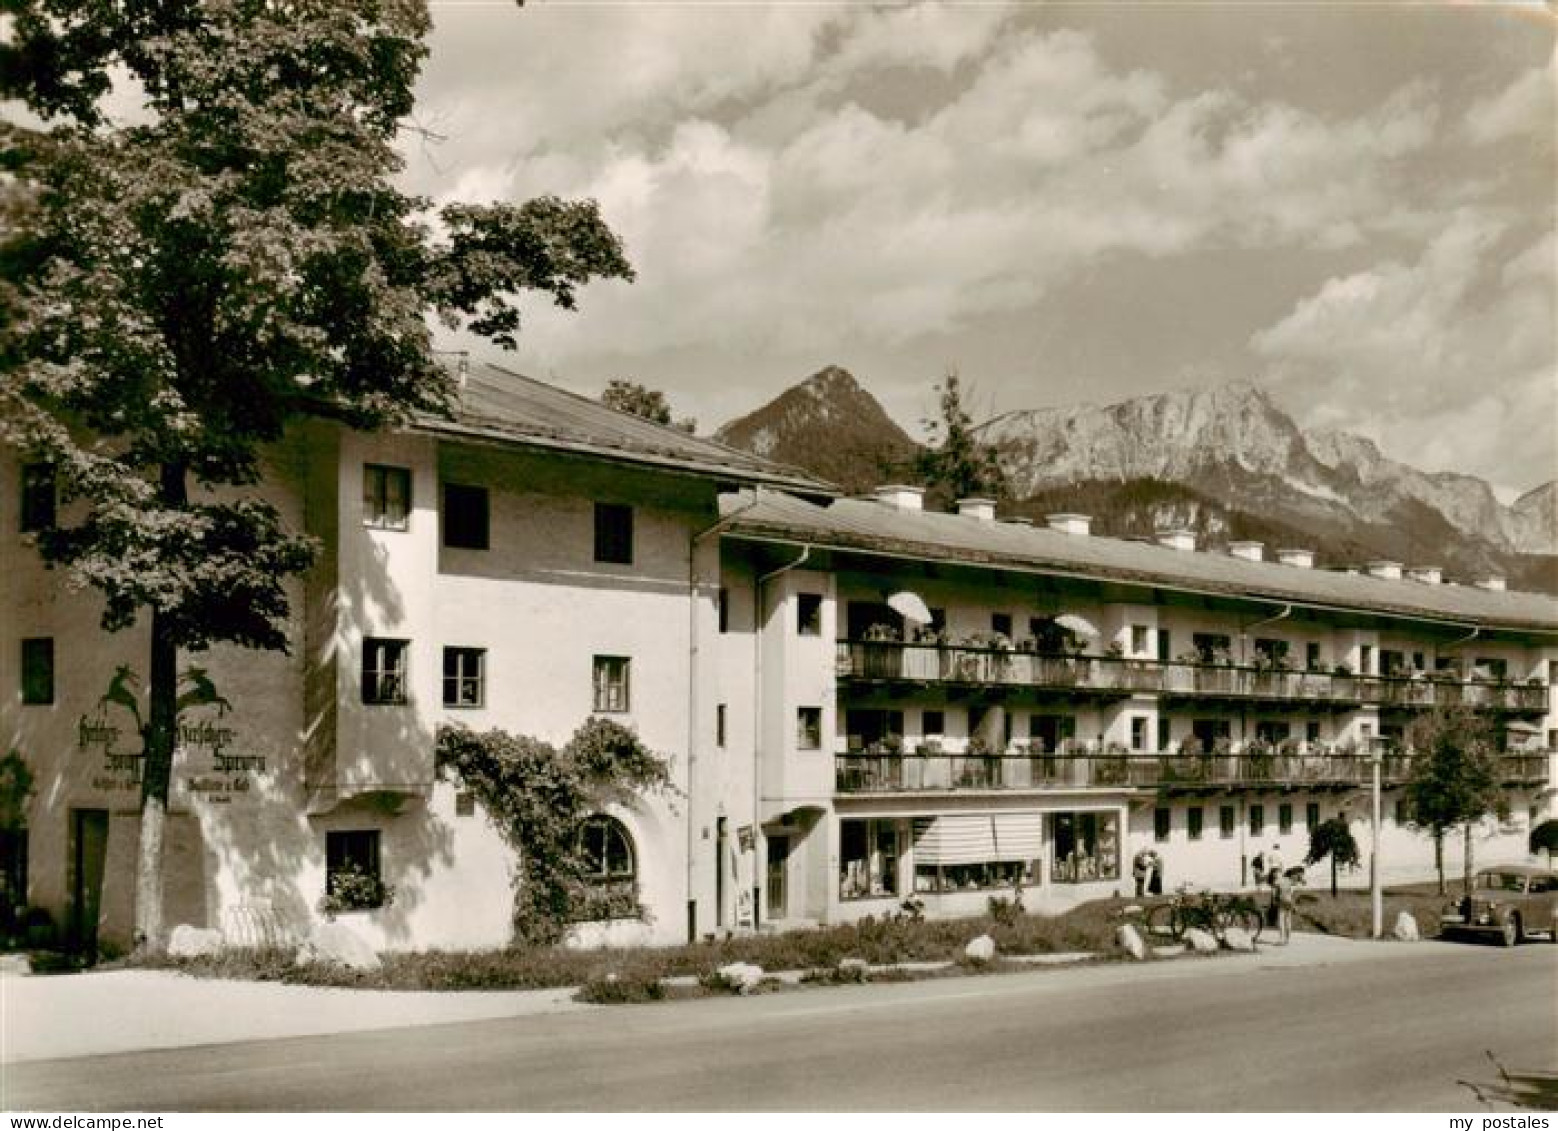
[1511, 901]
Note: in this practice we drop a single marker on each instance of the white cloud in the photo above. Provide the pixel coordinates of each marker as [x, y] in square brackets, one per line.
[1448, 361]
[1524, 107]
[854, 225]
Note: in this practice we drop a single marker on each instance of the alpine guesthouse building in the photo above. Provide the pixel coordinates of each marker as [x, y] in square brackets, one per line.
[861, 700]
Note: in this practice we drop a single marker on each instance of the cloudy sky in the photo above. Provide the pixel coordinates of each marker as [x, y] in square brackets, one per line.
[1352, 205]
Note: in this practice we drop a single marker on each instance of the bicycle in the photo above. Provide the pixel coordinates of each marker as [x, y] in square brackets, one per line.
[1207, 910]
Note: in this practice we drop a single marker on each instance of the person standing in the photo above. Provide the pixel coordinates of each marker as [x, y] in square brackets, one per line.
[1283, 889]
[1154, 872]
[1141, 870]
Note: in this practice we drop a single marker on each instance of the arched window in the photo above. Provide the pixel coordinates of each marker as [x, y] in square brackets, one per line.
[610, 869]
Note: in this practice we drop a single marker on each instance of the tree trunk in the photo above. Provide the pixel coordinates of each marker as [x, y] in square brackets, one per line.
[157, 764]
[156, 779]
[1439, 857]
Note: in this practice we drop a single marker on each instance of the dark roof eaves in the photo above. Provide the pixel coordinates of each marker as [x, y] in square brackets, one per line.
[920, 551]
[512, 435]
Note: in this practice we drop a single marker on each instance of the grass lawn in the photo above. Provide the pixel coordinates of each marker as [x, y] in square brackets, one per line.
[1089, 927]
[1348, 915]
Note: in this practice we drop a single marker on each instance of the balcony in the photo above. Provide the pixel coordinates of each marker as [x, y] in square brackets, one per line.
[873, 772]
[1108, 677]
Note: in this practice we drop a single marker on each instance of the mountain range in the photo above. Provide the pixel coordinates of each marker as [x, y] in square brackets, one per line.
[1227, 462]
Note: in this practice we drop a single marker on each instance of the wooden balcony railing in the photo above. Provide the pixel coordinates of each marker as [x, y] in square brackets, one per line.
[910, 772]
[1108, 676]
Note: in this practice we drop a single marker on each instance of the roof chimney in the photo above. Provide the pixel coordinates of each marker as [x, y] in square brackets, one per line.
[901, 497]
[1299, 559]
[1384, 570]
[1177, 539]
[1249, 551]
[982, 509]
[1427, 575]
[1494, 581]
[1070, 523]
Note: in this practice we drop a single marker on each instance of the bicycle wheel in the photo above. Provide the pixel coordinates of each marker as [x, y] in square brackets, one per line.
[1160, 921]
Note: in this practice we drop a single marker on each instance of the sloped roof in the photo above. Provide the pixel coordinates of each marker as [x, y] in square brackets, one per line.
[867, 525]
[497, 404]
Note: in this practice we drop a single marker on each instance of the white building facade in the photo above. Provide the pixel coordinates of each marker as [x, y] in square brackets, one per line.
[540, 559]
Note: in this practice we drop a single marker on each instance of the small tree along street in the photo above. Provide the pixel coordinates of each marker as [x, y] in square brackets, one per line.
[1453, 780]
[1334, 839]
[175, 292]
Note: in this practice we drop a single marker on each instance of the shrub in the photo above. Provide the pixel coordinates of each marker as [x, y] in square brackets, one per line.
[619, 989]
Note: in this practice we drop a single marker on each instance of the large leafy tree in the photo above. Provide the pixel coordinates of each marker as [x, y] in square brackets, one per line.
[1454, 779]
[957, 464]
[175, 291]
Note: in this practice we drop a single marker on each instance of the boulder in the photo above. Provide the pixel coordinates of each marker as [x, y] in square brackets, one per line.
[1405, 929]
[1237, 938]
[338, 943]
[981, 949]
[744, 976]
[1202, 942]
[1129, 939]
[857, 967]
[193, 942]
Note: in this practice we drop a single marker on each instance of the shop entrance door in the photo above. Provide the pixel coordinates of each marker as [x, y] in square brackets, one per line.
[778, 886]
[89, 857]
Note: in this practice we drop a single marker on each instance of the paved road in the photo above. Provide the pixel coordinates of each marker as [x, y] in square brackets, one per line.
[1382, 1034]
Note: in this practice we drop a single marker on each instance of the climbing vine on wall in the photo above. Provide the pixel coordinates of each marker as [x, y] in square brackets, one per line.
[537, 796]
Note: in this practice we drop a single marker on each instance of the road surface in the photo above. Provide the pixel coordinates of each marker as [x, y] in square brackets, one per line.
[1378, 1034]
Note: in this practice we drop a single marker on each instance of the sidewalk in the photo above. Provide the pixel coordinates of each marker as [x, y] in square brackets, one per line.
[47, 1016]
[44, 1017]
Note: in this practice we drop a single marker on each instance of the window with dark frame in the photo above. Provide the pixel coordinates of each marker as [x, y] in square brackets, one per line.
[386, 497]
[933, 724]
[610, 870]
[38, 670]
[1257, 820]
[1165, 733]
[465, 673]
[808, 614]
[1284, 819]
[1138, 640]
[1001, 623]
[614, 533]
[39, 498]
[467, 517]
[724, 609]
[1195, 819]
[1138, 732]
[1312, 815]
[719, 726]
[384, 671]
[1226, 818]
[612, 691]
[349, 854]
[808, 728]
[1162, 823]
